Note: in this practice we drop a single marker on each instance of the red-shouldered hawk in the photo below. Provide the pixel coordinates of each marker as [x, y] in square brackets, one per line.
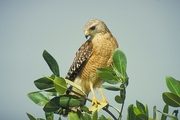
[95, 53]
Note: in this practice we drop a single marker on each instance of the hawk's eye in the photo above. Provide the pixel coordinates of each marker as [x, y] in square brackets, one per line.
[92, 28]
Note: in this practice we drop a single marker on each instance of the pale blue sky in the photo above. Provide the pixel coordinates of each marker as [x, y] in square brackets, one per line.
[147, 31]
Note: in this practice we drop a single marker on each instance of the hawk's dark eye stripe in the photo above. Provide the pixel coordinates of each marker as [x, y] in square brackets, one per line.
[92, 28]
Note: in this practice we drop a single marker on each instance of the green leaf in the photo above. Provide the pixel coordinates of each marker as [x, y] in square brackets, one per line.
[59, 118]
[38, 98]
[51, 107]
[60, 85]
[73, 116]
[95, 115]
[173, 85]
[165, 110]
[141, 107]
[107, 69]
[171, 99]
[53, 65]
[131, 114]
[86, 116]
[45, 84]
[80, 114]
[84, 108]
[30, 117]
[120, 62]
[118, 99]
[136, 111]
[107, 76]
[49, 115]
[170, 116]
[76, 86]
[62, 111]
[141, 117]
[113, 88]
[40, 119]
[155, 116]
[67, 101]
[146, 110]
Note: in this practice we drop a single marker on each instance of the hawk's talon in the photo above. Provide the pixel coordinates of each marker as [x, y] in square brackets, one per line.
[103, 101]
[95, 102]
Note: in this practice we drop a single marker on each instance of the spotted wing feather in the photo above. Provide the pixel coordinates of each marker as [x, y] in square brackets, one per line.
[83, 53]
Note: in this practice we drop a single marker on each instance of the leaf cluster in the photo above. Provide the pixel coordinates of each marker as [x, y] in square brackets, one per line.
[56, 101]
[172, 98]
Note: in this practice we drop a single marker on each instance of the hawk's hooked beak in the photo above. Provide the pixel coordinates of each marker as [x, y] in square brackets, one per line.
[87, 36]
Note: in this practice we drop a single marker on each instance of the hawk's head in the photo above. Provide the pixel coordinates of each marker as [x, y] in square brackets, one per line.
[94, 27]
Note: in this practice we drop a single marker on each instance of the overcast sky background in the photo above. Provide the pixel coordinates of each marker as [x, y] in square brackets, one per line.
[148, 31]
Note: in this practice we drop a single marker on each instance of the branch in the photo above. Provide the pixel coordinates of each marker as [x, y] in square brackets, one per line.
[106, 109]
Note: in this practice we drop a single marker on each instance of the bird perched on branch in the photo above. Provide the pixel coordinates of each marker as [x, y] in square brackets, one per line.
[95, 53]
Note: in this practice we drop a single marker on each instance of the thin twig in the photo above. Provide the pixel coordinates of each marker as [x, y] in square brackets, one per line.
[106, 109]
[124, 97]
[120, 115]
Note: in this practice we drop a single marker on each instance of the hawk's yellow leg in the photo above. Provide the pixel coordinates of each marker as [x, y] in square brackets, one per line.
[102, 96]
[95, 101]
